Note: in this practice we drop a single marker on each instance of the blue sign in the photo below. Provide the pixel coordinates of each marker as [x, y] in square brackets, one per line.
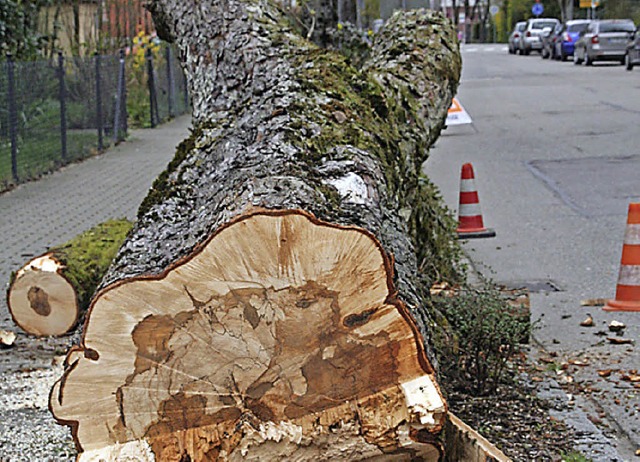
[537, 9]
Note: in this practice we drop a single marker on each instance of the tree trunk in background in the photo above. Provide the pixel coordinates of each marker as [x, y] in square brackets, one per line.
[268, 303]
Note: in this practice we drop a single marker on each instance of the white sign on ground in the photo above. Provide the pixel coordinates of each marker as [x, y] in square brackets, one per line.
[457, 115]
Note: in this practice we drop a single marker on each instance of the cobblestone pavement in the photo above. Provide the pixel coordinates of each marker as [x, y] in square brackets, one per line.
[47, 212]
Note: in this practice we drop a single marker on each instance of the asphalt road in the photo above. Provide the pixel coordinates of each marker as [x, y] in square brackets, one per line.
[556, 153]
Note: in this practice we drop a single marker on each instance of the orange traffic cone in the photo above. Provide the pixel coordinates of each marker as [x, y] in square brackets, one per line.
[628, 288]
[470, 224]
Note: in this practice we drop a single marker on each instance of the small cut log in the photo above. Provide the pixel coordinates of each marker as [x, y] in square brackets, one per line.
[48, 295]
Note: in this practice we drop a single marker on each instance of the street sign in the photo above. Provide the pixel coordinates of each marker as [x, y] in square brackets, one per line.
[457, 115]
[537, 9]
[494, 10]
[589, 3]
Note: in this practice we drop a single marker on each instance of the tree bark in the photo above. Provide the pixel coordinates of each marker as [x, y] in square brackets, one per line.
[267, 303]
[48, 295]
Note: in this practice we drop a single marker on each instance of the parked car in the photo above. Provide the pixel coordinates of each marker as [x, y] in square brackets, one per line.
[604, 40]
[514, 36]
[632, 57]
[565, 44]
[549, 38]
[530, 38]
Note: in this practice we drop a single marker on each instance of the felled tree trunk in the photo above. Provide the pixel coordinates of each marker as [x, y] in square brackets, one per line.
[48, 295]
[266, 305]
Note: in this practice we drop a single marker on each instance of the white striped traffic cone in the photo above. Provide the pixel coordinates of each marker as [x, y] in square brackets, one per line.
[628, 288]
[470, 224]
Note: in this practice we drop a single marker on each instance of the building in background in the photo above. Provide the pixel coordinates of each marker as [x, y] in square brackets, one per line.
[84, 27]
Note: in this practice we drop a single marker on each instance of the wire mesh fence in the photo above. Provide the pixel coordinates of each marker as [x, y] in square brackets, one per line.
[66, 109]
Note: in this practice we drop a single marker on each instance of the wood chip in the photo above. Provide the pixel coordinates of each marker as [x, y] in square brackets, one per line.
[620, 341]
[578, 362]
[587, 322]
[594, 302]
[441, 288]
[616, 326]
[631, 378]
[7, 339]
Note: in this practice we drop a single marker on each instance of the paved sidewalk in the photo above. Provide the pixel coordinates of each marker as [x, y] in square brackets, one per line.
[50, 211]
[47, 212]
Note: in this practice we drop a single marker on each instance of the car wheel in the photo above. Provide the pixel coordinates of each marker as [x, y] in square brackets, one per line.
[526, 52]
[563, 56]
[628, 63]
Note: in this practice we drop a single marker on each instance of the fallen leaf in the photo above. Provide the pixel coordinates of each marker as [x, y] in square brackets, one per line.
[594, 419]
[620, 341]
[578, 362]
[605, 372]
[594, 302]
[631, 378]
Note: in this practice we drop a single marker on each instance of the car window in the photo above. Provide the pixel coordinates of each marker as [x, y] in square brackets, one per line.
[578, 27]
[617, 27]
[520, 27]
[542, 25]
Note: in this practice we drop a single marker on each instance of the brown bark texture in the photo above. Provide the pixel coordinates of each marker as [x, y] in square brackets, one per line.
[267, 304]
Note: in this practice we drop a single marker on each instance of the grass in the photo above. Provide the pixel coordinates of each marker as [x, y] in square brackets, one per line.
[41, 154]
[575, 456]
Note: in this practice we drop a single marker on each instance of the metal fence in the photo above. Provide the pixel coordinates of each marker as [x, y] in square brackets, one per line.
[66, 109]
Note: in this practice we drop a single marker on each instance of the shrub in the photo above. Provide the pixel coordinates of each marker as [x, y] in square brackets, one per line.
[485, 332]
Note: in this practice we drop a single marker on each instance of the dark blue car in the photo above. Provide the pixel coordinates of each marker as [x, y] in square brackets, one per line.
[568, 36]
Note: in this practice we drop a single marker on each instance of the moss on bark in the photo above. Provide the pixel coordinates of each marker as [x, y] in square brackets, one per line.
[87, 256]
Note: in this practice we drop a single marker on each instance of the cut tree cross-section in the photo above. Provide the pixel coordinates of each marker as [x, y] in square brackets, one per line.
[280, 329]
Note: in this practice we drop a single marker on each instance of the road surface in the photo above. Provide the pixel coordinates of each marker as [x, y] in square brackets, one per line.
[556, 153]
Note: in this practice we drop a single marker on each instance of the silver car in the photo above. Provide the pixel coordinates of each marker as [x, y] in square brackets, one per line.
[531, 38]
[632, 57]
[514, 37]
[604, 40]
